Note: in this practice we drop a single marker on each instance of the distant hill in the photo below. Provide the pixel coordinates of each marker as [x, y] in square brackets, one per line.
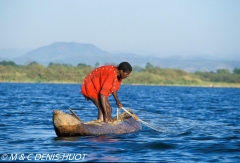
[192, 64]
[64, 52]
[75, 53]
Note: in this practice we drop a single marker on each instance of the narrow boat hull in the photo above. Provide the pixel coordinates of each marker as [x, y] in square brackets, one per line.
[68, 125]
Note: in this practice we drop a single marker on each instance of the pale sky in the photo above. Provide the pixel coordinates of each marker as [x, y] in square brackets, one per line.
[160, 27]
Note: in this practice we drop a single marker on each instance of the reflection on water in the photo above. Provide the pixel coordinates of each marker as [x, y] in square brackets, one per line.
[99, 139]
[71, 139]
[103, 138]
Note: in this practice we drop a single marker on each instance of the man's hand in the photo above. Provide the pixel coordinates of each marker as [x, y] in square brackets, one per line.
[119, 105]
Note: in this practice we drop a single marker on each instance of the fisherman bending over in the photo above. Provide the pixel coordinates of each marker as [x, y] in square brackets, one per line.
[101, 83]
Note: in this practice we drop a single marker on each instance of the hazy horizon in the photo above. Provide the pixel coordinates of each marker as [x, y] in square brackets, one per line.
[160, 28]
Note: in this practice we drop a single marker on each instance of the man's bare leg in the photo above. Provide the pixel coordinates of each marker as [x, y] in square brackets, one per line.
[109, 112]
[98, 104]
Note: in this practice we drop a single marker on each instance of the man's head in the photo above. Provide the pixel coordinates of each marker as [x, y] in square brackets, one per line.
[124, 69]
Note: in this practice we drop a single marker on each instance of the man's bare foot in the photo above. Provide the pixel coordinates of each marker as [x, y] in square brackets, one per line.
[109, 120]
[99, 120]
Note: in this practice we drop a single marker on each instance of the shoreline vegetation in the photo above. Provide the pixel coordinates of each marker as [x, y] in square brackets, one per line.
[150, 75]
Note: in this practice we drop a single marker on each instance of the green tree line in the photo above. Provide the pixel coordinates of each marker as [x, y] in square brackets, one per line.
[65, 73]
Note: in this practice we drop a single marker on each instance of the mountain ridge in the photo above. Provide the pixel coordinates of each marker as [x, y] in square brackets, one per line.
[74, 53]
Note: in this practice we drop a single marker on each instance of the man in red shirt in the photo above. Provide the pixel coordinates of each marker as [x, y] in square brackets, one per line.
[102, 82]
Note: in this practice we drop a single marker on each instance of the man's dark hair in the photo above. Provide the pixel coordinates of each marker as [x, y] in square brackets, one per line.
[125, 66]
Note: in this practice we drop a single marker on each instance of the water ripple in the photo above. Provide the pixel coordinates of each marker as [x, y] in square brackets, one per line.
[197, 124]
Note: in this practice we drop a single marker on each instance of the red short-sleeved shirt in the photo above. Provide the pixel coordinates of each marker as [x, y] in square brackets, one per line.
[102, 80]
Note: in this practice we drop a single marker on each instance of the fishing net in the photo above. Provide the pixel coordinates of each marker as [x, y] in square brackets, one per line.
[163, 122]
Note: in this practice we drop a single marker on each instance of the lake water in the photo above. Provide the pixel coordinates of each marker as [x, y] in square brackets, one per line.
[197, 124]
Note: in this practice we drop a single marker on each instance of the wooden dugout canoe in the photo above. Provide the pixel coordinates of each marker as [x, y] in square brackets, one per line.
[70, 125]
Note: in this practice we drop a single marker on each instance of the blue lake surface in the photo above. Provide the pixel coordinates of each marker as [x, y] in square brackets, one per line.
[197, 124]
